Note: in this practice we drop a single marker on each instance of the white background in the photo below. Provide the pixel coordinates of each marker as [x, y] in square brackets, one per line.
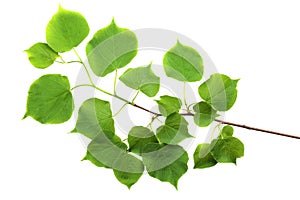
[257, 41]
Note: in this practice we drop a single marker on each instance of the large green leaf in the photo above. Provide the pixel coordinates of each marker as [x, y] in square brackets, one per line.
[183, 63]
[93, 160]
[139, 137]
[165, 162]
[111, 48]
[112, 153]
[168, 105]
[219, 91]
[204, 114]
[174, 130]
[41, 55]
[227, 150]
[50, 100]
[203, 157]
[143, 79]
[66, 30]
[94, 116]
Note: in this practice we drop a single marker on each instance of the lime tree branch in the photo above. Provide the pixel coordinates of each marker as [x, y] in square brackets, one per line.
[186, 114]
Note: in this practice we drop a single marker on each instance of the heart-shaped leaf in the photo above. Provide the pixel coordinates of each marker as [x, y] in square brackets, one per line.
[219, 91]
[66, 30]
[112, 153]
[227, 150]
[204, 114]
[142, 79]
[50, 100]
[139, 137]
[94, 116]
[168, 105]
[203, 157]
[165, 162]
[111, 48]
[41, 55]
[183, 63]
[174, 130]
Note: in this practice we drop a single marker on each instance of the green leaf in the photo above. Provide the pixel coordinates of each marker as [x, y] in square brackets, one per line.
[94, 116]
[112, 153]
[66, 30]
[227, 150]
[183, 63]
[50, 100]
[127, 178]
[203, 158]
[204, 114]
[41, 55]
[219, 91]
[143, 79]
[174, 130]
[139, 137]
[227, 131]
[168, 105]
[165, 162]
[93, 160]
[111, 48]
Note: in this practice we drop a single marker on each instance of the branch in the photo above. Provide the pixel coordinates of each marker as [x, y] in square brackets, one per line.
[228, 123]
[257, 129]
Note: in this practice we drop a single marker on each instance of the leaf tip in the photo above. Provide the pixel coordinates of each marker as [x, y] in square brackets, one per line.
[128, 186]
[73, 131]
[25, 116]
[113, 23]
[60, 8]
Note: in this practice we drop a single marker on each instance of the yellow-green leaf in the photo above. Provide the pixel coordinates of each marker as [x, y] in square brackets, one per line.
[66, 30]
[41, 55]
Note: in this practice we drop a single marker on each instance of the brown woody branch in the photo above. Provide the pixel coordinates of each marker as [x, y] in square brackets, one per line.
[228, 123]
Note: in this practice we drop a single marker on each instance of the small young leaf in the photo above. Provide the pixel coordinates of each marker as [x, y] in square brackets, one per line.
[41, 55]
[168, 105]
[183, 63]
[111, 48]
[112, 153]
[66, 30]
[165, 162]
[139, 137]
[94, 116]
[50, 100]
[143, 79]
[203, 158]
[174, 130]
[204, 114]
[219, 91]
[227, 131]
[227, 150]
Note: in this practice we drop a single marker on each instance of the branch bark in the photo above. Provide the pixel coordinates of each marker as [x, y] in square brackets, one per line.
[228, 123]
